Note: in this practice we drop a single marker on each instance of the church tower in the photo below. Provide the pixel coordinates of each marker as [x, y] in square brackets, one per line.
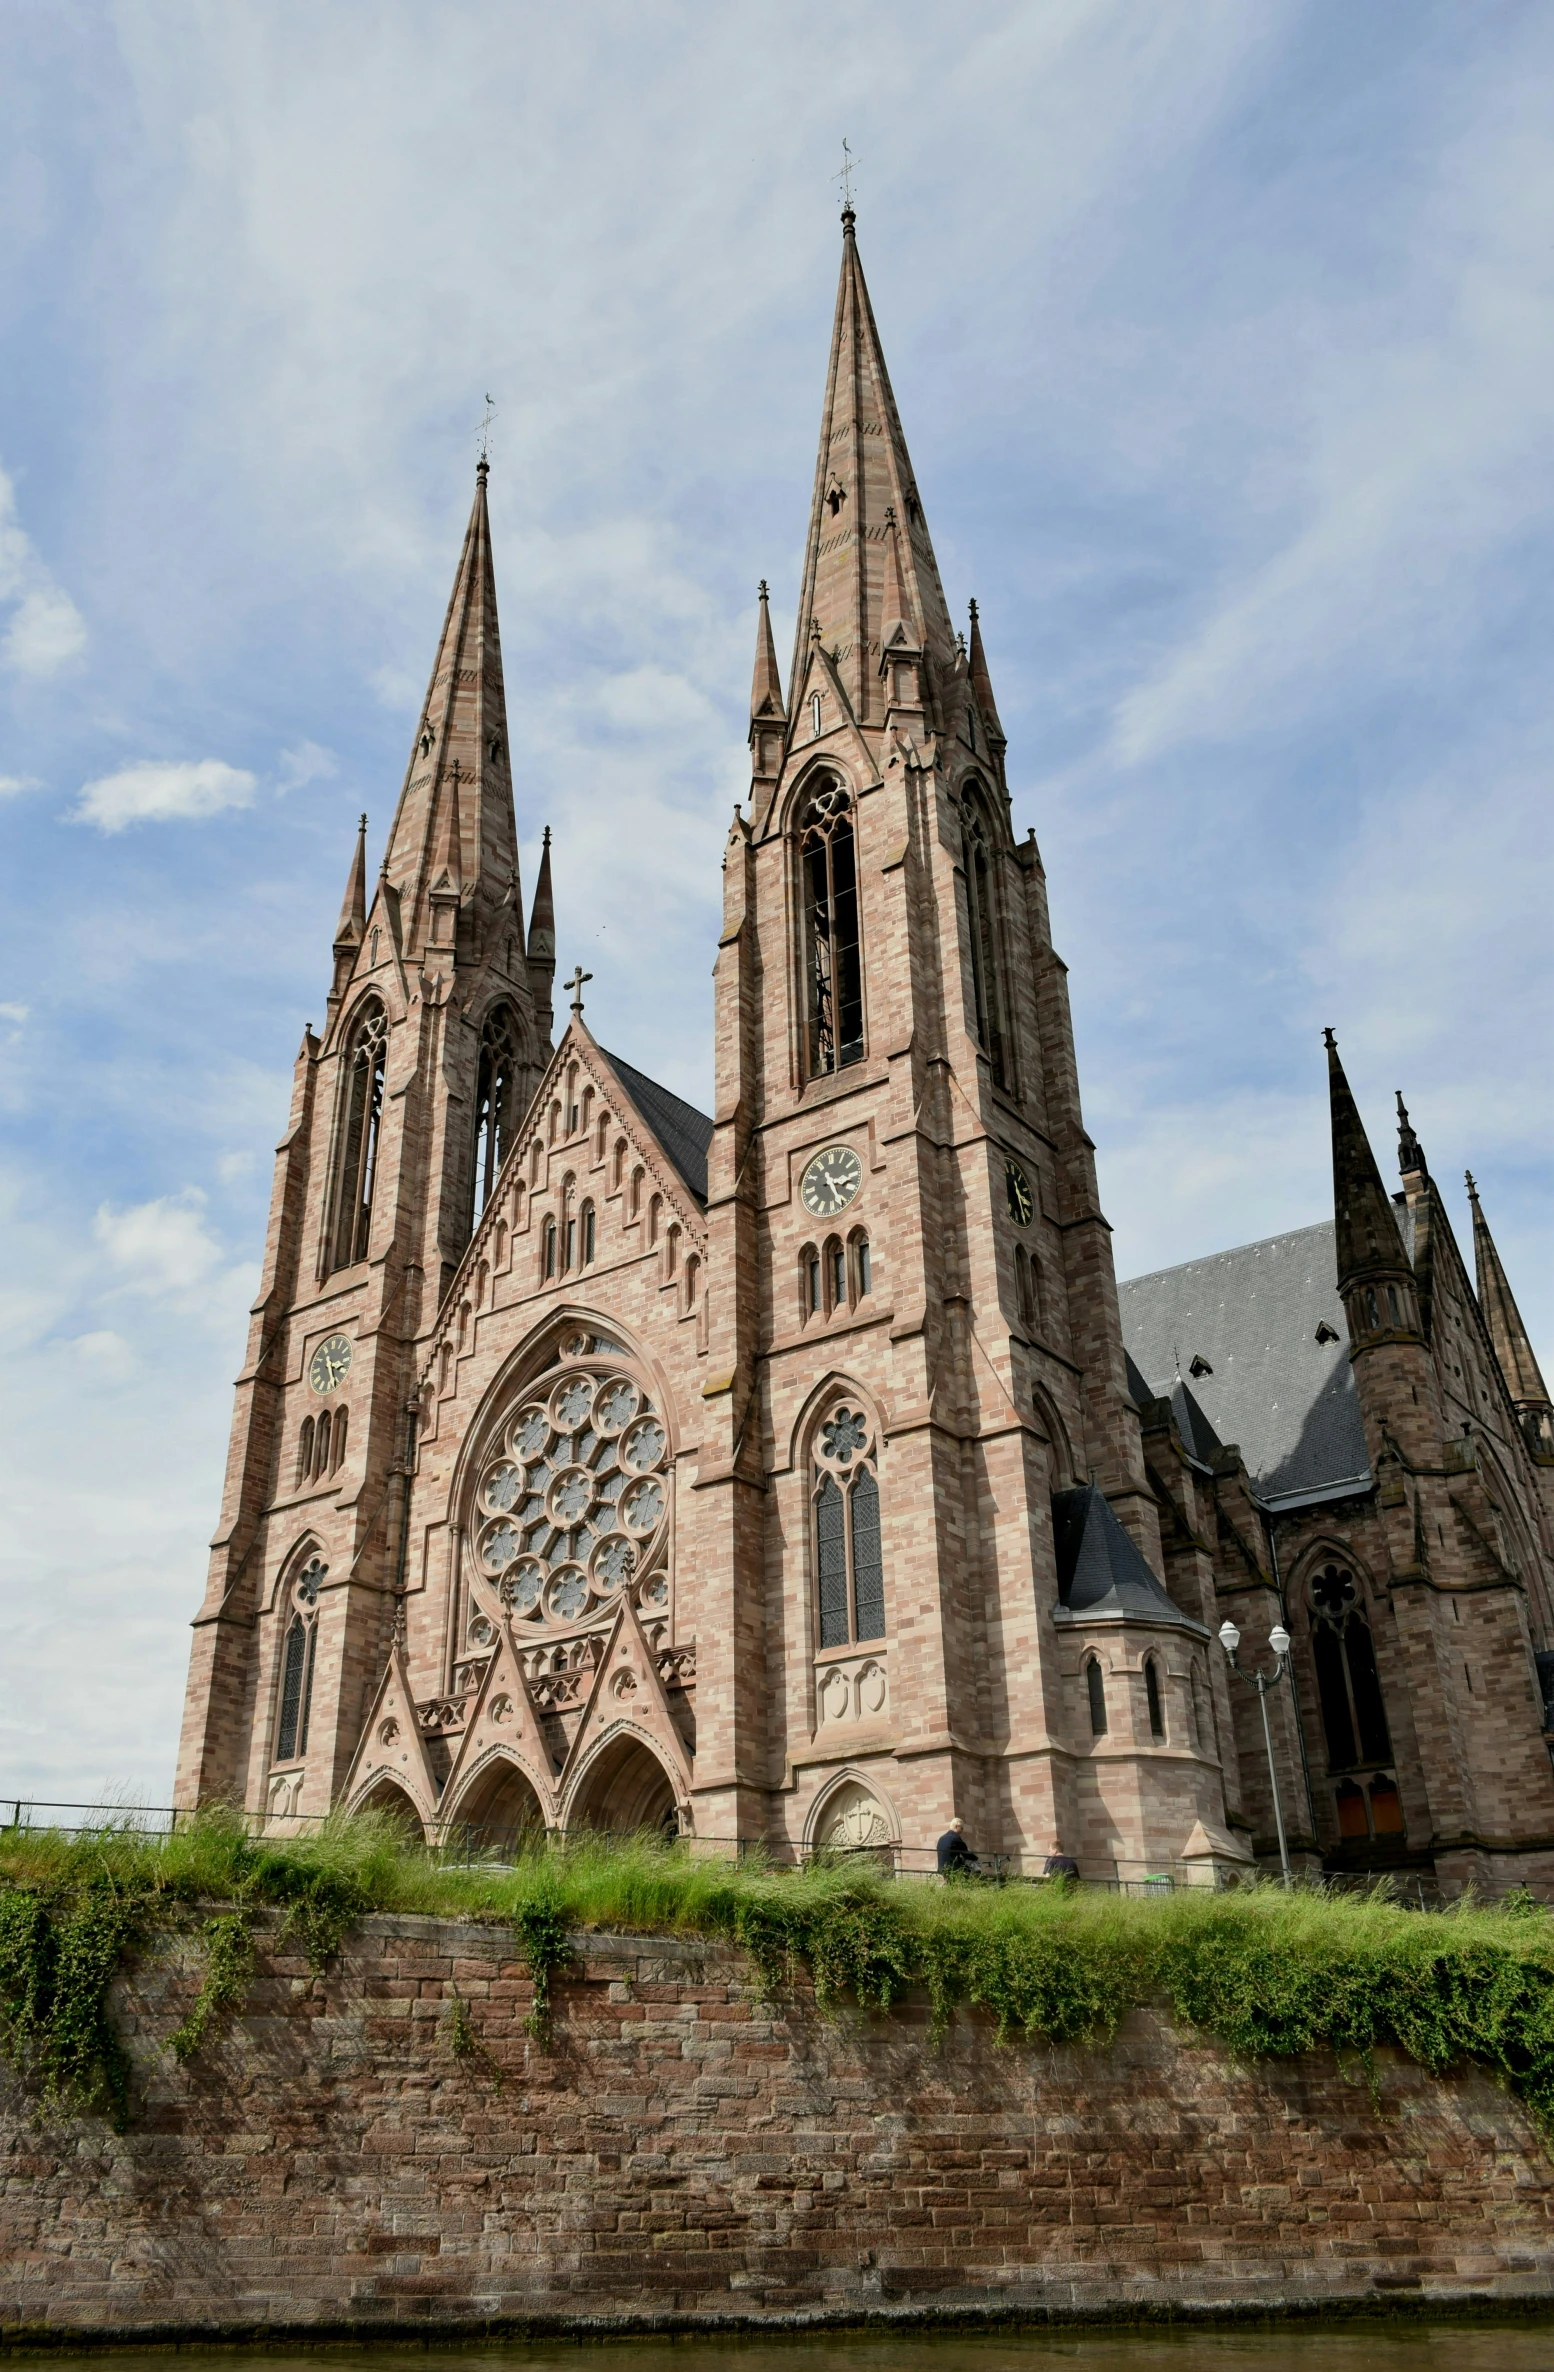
[436, 1029]
[939, 1547]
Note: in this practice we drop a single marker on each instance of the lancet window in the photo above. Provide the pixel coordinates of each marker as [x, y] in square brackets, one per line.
[298, 1655]
[496, 1100]
[833, 956]
[977, 860]
[1354, 1717]
[362, 1120]
[849, 1561]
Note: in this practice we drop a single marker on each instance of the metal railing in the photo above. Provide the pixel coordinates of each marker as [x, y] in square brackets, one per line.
[465, 1843]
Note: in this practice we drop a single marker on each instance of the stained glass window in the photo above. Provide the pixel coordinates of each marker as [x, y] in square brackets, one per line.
[849, 1562]
[296, 1689]
[831, 1562]
[1354, 1717]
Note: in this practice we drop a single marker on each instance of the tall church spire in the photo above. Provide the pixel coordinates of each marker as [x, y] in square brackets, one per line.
[461, 755]
[864, 470]
[1518, 1364]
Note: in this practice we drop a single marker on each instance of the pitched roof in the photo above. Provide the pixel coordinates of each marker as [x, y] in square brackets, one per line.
[684, 1133]
[1101, 1568]
[1253, 1314]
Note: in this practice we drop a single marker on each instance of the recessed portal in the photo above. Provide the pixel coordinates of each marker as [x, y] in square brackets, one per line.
[627, 1789]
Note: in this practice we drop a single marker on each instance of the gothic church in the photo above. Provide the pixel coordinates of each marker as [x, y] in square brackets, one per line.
[800, 1474]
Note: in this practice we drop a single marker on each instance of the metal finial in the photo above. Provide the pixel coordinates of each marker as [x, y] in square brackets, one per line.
[845, 177]
[485, 435]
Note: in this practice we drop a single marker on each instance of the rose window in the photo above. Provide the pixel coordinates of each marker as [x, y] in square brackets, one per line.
[843, 1436]
[575, 1500]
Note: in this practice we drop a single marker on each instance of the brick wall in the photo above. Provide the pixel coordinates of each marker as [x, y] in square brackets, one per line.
[681, 2153]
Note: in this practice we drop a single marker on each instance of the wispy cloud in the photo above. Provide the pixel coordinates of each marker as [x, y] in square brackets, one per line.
[156, 792]
[43, 629]
[305, 764]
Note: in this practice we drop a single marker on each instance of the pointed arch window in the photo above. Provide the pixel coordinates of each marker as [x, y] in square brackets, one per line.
[363, 1117]
[849, 1560]
[976, 857]
[1354, 1717]
[496, 1100]
[1152, 1697]
[298, 1654]
[833, 955]
[1095, 1686]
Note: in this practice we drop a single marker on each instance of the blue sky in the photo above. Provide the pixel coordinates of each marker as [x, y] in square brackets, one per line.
[1224, 343]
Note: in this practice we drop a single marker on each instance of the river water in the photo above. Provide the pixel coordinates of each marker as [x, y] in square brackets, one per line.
[1523, 2346]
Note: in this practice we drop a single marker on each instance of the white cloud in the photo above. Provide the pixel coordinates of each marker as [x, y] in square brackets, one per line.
[45, 629]
[162, 1247]
[156, 792]
[12, 785]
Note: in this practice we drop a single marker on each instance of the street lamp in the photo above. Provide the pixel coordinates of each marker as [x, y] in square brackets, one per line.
[1279, 1641]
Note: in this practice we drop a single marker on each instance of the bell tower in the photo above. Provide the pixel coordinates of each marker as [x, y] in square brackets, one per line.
[930, 1347]
[436, 1029]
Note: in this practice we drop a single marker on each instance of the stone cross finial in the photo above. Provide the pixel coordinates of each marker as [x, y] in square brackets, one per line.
[575, 984]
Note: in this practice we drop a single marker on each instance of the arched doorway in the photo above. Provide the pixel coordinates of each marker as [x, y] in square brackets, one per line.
[624, 1790]
[389, 1802]
[499, 1812]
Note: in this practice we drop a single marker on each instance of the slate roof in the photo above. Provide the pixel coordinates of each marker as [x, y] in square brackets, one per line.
[1253, 1314]
[1101, 1569]
[684, 1133]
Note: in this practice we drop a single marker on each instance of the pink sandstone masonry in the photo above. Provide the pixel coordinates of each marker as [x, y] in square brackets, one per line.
[684, 2154]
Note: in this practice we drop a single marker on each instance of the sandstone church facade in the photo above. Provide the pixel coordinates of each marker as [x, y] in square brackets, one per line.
[797, 1474]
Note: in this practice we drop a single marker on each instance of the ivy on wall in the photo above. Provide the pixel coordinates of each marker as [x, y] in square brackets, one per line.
[1266, 1973]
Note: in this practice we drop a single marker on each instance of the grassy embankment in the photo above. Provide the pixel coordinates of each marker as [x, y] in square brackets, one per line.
[1263, 1971]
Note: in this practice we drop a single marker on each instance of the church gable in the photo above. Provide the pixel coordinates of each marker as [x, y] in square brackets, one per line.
[391, 1763]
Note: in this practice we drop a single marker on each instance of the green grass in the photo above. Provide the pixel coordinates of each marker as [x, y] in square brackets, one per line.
[1263, 1971]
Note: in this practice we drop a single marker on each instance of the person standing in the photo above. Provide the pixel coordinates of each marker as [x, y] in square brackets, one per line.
[956, 1859]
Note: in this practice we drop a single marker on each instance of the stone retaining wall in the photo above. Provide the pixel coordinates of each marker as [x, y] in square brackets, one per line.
[682, 2154]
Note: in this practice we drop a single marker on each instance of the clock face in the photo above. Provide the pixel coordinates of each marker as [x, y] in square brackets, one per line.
[830, 1182]
[1022, 1202]
[328, 1365]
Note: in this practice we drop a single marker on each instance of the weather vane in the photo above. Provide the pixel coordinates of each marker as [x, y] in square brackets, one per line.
[485, 429]
[845, 177]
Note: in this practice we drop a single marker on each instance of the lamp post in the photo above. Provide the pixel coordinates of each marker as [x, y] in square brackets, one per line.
[1279, 1641]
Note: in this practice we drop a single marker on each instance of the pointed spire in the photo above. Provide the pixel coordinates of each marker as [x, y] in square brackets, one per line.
[1518, 1364]
[448, 864]
[352, 925]
[898, 627]
[982, 683]
[1368, 1242]
[1411, 1160]
[542, 942]
[766, 702]
[463, 725]
[863, 470]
